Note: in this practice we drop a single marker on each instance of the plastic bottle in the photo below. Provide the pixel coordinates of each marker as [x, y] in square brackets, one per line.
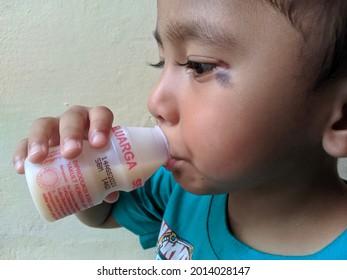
[61, 187]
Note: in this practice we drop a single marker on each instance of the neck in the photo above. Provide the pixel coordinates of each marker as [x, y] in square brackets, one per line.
[278, 216]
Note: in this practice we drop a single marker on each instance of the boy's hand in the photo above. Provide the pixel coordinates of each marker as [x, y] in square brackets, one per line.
[68, 131]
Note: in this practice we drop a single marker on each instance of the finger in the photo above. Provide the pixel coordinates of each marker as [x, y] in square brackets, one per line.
[112, 197]
[73, 124]
[41, 132]
[101, 119]
[55, 140]
[19, 156]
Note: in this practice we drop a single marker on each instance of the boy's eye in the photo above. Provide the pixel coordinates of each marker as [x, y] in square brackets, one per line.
[198, 68]
[202, 71]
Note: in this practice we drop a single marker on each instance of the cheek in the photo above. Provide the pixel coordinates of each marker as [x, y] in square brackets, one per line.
[229, 141]
[220, 152]
[218, 139]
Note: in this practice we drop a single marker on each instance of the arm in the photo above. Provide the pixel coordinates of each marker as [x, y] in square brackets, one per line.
[98, 216]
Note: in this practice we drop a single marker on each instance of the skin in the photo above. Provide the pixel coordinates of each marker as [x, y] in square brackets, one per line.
[239, 119]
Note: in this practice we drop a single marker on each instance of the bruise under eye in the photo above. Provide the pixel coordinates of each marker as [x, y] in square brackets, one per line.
[223, 77]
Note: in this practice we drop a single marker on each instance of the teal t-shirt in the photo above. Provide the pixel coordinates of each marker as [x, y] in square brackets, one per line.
[187, 226]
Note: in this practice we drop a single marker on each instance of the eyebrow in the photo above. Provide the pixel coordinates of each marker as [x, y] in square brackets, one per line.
[199, 32]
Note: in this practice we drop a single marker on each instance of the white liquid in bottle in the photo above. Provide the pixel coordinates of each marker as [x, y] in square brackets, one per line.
[61, 187]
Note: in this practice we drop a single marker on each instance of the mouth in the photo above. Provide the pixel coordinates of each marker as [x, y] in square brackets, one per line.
[175, 163]
[170, 163]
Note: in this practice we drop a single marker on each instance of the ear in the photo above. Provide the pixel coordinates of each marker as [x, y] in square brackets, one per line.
[335, 134]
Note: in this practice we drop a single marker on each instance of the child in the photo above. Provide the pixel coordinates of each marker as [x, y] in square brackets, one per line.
[252, 99]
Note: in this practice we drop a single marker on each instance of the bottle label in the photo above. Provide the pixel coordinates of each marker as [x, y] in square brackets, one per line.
[63, 187]
[103, 166]
[128, 158]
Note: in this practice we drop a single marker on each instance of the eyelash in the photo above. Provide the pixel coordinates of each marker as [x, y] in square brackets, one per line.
[198, 69]
[158, 65]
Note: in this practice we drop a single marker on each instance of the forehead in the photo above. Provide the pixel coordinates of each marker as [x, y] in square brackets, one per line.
[231, 22]
[215, 14]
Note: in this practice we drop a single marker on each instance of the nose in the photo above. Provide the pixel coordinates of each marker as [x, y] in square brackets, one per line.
[163, 100]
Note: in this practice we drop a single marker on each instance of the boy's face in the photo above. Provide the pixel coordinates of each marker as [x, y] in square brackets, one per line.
[237, 114]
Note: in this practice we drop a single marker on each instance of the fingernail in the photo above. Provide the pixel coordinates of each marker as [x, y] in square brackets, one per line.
[98, 138]
[71, 144]
[19, 165]
[35, 149]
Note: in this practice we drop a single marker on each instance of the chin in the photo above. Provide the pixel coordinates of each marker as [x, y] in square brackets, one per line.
[194, 183]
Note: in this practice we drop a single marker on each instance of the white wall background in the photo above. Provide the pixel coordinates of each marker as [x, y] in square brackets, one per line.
[55, 53]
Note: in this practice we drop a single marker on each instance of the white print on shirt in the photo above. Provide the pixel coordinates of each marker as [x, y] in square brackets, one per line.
[172, 247]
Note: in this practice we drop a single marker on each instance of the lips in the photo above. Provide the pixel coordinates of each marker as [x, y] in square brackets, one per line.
[170, 163]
